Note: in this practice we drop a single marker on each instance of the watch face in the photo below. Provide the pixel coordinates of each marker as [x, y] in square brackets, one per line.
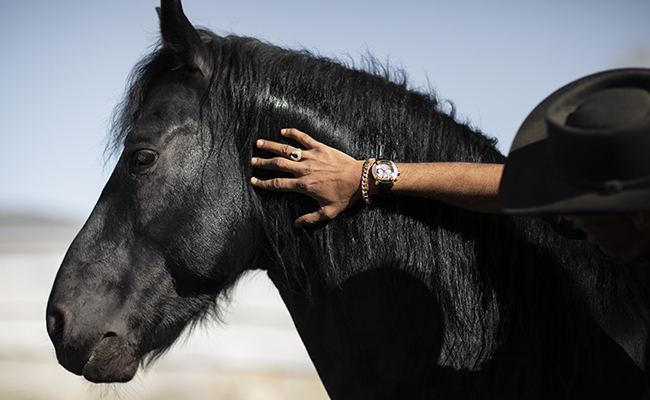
[384, 171]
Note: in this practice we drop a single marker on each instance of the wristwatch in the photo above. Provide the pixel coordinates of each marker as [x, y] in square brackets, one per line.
[386, 174]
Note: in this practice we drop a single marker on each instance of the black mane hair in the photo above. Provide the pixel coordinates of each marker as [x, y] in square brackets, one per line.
[488, 271]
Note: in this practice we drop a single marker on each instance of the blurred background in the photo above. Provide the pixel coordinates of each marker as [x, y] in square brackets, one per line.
[64, 67]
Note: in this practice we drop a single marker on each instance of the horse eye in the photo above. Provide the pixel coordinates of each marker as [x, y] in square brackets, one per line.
[143, 158]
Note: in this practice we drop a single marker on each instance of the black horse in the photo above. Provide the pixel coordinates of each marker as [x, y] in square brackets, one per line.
[404, 299]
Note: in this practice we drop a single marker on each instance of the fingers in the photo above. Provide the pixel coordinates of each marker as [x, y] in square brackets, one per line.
[302, 138]
[276, 164]
[275, 184]
[311, 219]
[316, 217]
[280, 149]
[284, 149]
[307, 220]
[289, 185]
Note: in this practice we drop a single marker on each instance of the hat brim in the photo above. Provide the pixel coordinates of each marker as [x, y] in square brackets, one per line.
[529, 184]
[535, 189]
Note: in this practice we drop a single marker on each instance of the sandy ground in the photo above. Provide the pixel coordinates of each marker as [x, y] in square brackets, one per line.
[257, 354]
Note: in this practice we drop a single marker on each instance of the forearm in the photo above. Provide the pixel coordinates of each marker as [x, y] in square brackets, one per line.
[332, 178]
[470, 186]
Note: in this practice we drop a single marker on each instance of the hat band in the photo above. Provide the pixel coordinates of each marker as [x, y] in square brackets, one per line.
[610, 186]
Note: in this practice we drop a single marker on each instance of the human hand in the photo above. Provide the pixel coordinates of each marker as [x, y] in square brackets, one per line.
[328, 175]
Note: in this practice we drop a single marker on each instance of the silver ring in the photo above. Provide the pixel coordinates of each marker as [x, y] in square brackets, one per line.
[296, 155]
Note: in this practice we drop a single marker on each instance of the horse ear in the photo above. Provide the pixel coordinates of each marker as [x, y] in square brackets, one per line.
[179, 35]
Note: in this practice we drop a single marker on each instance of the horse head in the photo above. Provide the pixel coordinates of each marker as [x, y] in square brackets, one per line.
[143, 266]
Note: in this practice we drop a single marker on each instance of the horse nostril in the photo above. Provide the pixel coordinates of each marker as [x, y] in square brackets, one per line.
[110, 334]
[55, 324]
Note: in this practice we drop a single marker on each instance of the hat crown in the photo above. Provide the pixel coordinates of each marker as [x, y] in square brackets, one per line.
[611, 109]
[600, 134]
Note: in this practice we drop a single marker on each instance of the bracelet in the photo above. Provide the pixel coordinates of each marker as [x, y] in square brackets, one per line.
[364, 180]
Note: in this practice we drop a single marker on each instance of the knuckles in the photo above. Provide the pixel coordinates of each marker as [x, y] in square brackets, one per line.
[275, 162]
[303, 185]
[286, 150]
[275, 184]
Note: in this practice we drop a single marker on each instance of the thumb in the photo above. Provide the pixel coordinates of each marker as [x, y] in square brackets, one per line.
[311, 219]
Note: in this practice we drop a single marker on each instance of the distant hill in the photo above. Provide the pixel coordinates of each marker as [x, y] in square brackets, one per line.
[10, 218]
[22, 231]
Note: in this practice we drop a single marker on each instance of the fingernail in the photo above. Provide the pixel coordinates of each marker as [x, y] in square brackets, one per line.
[253, 180]
[284, 131]
[260, 142]
[253, 160]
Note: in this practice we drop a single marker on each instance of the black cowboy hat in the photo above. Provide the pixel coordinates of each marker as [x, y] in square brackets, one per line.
[584, 149]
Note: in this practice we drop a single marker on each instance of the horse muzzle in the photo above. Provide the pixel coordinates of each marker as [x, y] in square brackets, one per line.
[100, 357]
[112, 360]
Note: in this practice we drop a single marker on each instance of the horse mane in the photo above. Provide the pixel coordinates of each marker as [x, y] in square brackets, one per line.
[256, 89]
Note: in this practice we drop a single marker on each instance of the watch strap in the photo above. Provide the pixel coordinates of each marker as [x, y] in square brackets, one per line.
[384, 187]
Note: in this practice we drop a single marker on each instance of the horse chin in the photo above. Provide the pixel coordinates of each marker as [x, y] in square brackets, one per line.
[113, 360]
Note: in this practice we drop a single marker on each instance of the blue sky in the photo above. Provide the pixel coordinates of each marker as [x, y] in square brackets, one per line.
[65, 63]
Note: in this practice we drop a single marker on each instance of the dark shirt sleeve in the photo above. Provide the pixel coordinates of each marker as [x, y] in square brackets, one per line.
[569, 231]
[564, 227]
